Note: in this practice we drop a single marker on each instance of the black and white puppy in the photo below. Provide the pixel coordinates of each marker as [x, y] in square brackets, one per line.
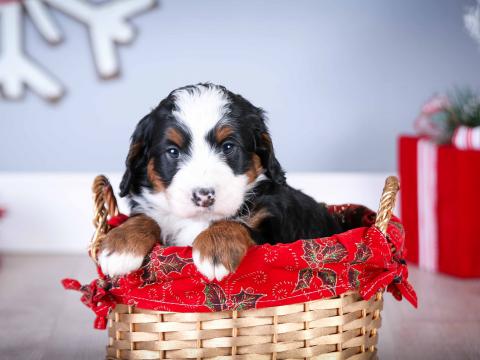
[202, 172]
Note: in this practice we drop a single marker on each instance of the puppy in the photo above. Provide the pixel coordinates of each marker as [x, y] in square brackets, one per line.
[202, 172]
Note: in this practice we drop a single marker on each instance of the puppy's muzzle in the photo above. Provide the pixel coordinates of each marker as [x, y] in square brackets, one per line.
[203, 197]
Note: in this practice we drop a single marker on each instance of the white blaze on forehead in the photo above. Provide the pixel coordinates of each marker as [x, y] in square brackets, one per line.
[200, 108]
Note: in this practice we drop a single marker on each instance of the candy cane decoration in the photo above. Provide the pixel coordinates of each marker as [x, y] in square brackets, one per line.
[466, 138]
[107, 24]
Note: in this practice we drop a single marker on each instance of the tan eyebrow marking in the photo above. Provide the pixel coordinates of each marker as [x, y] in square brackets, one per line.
[175, 136]
[222, 133]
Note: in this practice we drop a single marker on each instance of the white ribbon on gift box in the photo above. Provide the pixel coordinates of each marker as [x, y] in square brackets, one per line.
[427, 204]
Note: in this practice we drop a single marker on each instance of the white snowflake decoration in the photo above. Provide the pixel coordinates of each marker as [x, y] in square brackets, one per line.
[107, 25]
[472, 21]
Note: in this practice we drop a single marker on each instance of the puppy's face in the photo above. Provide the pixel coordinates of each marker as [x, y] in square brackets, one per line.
[199, 153]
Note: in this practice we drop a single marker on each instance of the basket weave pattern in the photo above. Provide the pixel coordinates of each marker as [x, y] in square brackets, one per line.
[340, 327]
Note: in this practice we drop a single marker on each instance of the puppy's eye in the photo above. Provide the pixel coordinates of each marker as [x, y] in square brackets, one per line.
[173, 152]
[228, 148]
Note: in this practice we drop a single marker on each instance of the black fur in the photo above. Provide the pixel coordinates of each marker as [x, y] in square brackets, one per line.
[293, 215]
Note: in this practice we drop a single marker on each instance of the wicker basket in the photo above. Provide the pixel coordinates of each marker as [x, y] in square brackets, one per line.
[341, 327]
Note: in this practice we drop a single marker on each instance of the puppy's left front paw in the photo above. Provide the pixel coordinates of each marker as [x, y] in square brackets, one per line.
[218, 250]
[207, 266]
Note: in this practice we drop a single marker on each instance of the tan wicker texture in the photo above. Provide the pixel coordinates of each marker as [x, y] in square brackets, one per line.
[344, 327]
[341, 327]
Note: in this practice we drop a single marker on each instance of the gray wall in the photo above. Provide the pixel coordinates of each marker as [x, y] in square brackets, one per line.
[339, 79]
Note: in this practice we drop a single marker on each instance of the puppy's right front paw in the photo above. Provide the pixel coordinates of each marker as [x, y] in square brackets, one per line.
[114, 263]
[123, 249]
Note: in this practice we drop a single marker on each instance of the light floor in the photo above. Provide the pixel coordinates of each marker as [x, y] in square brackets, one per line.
[40, 320]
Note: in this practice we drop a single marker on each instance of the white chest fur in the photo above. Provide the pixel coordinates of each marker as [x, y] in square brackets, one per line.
[175, 230]
[180, 232]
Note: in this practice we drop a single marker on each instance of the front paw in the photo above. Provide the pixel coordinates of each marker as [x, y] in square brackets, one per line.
[218, 250]
[124, 248]
[208, 267]
[115, 263]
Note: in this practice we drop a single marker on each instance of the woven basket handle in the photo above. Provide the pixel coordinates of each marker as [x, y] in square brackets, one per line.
[387, 204]
[105, 207]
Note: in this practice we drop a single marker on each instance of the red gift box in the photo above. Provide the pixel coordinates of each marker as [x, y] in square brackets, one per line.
[439, 197]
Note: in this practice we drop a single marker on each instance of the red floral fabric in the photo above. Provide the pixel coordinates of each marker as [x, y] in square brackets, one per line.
[270, 275]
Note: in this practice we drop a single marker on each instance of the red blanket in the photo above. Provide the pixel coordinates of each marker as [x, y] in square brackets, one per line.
[358, 259]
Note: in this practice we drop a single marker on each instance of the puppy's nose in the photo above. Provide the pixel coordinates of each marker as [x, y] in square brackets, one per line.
[203, 197]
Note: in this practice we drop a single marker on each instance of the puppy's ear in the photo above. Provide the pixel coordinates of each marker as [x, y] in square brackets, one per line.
[264, 149]
[137, 156]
